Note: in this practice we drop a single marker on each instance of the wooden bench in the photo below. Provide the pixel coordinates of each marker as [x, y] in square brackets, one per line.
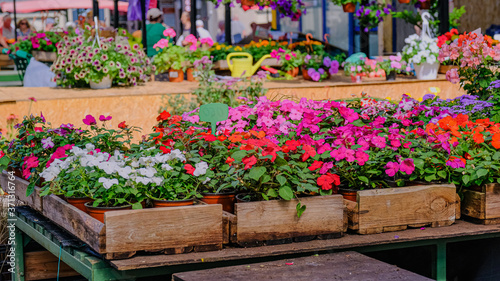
[337, 266]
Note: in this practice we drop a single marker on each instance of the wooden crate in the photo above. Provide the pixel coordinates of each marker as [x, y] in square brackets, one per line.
[222, 64]
[483, 207]
[42, 265]
[169, 230]
[19, 186]
[276, 221]
[392, 209]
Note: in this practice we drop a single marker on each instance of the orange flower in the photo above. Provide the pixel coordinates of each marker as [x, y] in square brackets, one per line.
[462, 119]
[236, 138]
[478, 138]
[221, 138]
[259, 135]
[495, 141]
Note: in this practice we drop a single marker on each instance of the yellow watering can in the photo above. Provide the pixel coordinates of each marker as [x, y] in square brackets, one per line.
[243, 66]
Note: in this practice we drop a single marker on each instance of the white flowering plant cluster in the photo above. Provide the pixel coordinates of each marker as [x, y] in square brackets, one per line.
[420, 50]
[117, 180]
[81, 60]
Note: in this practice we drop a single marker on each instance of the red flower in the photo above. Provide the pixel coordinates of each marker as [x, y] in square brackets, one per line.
[189, 169]
[285, 149]
[316, 165]
[309, 152]
[208, 137]
[221, 138]
[165, 149]
[38, 129]
[326, 181]
[292, 144]
[163, 116]
[122, 125]
[247, 147]
[229, 160]
[249, 162]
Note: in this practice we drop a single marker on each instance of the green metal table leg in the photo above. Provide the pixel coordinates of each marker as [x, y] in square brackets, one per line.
[441, 261]
[18, 256]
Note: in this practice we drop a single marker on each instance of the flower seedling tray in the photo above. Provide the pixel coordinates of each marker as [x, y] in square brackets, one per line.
[393, 209]
[276, 222]
[171, 230]
[482, 206]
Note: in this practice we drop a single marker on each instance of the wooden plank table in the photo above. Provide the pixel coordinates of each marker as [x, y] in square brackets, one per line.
[338, 266]
[154, 265]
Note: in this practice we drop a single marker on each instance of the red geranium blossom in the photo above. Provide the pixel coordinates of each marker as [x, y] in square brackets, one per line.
[189, 169]
[163, 116]
[249, 162]
[326, 181]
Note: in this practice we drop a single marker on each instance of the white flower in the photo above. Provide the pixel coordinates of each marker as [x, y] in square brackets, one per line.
[143, 180]
[89, 147]
[107, 183]
[200, 169]
[147, 172]
[157, 180]
[125, 172]
[431, 59]
[207, 180]
[166, 167]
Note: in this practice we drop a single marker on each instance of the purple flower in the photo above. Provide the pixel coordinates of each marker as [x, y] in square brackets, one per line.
[89, 120]
[104, 118]
[43, 118]
[494, 85]
[315, 76]
[456, 163]
[47, 143]
[327, 61]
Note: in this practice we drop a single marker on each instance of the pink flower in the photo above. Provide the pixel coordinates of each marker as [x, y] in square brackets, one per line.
[407, 166]
[163, 43]
[32, 99]
[274, 54]
[287, 57]
[89, 120]
[326, 167]
[452, 76]
[192, 39]
[362, 157]
[395, 64]
[104, 118]
[207, 41]
[391, 169]
[169, 33]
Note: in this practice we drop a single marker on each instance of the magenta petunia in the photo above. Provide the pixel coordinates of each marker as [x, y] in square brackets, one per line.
[391, 169]
[407, 166]
[104, 118]
[89, 120]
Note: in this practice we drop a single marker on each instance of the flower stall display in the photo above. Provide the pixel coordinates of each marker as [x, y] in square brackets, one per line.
[392, 66]
[41, 45]
[349, 6]
[477, 57]
[447, 39]
[80, 62]
[290, 61]
[372, 13]
[422, 52]
[292, 9]
[317, 68]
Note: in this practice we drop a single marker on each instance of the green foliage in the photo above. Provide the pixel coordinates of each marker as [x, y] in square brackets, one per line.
[455, 16]
[173, 57]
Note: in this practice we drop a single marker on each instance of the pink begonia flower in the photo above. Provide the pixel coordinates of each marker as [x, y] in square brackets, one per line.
[169, 33]
[395, 64]
[391, 169]
[192, 39]
[326, 167]
[362, 157]
[395, 58]
[288, 57]
[89, 120]
[162, 43]
[407, 166]
[379, 141]
[452, 76]
[104, 118]
[359, 68]
[353, 68]
[408, 68]
[208, 41]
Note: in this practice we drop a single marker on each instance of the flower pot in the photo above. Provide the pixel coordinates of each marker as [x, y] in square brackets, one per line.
[425, 5]
[44, 56]
[79, 202]
[240, 198]
[189, 75]
[427, 71]
[444, 68]
[306, 75]
[175, 75]
[349, 7]
[356, 78]
[247, 3]
[391, 76]
[349, 194]
[404, 1]
[293, 72]
[104, 84]
[98, 212]
[172, 203]
[226, 199]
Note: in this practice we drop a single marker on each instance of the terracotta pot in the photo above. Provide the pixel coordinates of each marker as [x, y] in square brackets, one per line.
[189, 75]
[391, 76]
[98, 212]
[175, 75]
[349, 7]
[356, 79]
[306, 75]
[247, 2]
[226, 199]
[294, 72]
[240, 199]
[425, 5]
[79, 202]
[404, 1]
[349, 194]
[172, 203]
[444, 68]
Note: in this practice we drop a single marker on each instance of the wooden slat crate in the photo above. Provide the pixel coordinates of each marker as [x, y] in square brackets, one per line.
[393, 209]
[276, 221]
[19, 186]
[483, 207]
[222, 64]
[43, 265]
[169, 230]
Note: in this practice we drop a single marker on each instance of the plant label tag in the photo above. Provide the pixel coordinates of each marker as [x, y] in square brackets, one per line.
[173, 74]
[213, 113]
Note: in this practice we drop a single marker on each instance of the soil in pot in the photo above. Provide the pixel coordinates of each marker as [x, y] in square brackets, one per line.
[175, 75]
[98, 212]
[79, 202]
[172, 203]
[226, 199]
[349, 7]
[349, 194]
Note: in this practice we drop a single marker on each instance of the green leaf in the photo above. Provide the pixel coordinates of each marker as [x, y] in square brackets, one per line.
[239, 155]
[358, 123]
[481, 173]
[466, 179]
[286, 192]
[300, 209]
[30, 189]
[280, 162]
[442, 174]
[430, 178]
[281, 179]
[272, 193]
[257, 172]
[266, 178]
[136, 206]
[363, 179]
[419, 163]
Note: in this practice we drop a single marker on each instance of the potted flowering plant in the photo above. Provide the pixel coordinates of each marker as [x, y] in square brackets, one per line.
[349, 6]
[355, 69]
[290, 61]
[318, 68]
[41, 45]
[372, 13]
[172, 60]
[391, 66]
[447, 39]
[80, 63]
[423, 53]
[196, 52]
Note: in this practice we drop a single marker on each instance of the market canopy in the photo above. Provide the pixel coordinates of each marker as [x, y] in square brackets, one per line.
[44, 5]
